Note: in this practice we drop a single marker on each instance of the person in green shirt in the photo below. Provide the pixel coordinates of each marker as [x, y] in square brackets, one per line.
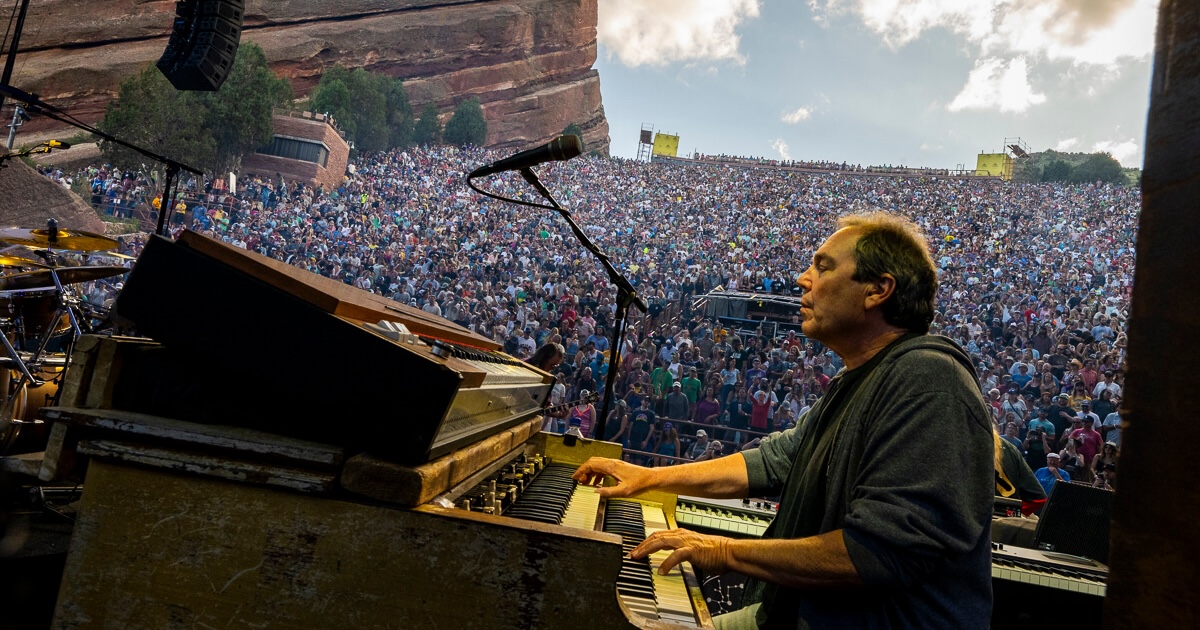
[1039, 437]
[660, 380]
[691, 388]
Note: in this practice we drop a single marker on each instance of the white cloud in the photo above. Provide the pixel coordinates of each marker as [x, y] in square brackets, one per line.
[1122, 151]
[658, 33]
[781, 147]
[925, 146]
[1097, 32]
[800, 114]
[994, 84]
[1066, 144]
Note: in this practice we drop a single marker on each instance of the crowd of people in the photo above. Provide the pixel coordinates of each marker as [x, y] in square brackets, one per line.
[1035, 281]
[827, 165]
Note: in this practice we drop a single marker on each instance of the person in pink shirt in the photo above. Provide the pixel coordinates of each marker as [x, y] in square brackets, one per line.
[1090, 441]
[761, 406]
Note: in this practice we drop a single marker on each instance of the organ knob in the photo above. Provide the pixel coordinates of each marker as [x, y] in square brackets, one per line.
[441, 349]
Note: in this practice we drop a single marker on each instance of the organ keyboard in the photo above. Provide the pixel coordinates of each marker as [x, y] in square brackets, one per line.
[538, 487]
[726, 517]
[1039, 589]
[1048, 569]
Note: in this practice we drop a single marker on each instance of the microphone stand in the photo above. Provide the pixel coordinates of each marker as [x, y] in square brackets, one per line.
[626, 295]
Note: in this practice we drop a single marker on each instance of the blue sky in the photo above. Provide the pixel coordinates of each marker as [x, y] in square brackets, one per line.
[917, 82]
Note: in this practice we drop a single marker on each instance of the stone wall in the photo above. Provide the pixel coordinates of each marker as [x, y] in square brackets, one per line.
[528, 61]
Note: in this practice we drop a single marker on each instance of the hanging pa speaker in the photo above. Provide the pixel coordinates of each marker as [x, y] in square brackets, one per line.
[204, 40]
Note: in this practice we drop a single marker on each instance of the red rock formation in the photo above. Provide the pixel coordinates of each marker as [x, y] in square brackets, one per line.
[30, 198]
[528, 61]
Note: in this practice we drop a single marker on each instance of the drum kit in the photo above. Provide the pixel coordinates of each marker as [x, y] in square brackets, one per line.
[42, 315]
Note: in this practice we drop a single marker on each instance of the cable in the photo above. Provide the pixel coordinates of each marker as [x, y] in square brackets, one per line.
[7, 31]
[501, 198]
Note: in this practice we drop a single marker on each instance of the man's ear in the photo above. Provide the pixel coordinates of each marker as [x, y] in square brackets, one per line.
[878, 291]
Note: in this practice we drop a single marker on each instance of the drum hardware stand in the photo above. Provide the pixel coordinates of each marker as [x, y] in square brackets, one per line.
[65, 306]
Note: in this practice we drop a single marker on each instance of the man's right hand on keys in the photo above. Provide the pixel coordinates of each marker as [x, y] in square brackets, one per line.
[631, 479]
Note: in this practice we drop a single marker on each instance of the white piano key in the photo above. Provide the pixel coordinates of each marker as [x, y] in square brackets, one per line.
[673, 598]
[581, 511]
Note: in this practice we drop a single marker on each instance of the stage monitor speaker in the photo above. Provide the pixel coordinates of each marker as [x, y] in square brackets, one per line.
[204, 41]
[1076, 520]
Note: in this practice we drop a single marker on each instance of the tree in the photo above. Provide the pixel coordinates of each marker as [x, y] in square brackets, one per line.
[149, 112]
[332, 97]
[1056, 171]
[239, 114]
[400, 114]
[372, 109]
[208, 130]
[428, 129]
[573, 130]
[466, 126]
[1099, 167]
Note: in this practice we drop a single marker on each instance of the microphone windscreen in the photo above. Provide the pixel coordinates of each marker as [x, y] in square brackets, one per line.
[567, 147]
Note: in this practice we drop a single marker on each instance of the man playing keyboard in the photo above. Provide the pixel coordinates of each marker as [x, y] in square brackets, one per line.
[886, 484]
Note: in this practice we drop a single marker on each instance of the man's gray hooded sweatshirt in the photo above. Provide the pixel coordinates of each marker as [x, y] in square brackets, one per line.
[897, 455]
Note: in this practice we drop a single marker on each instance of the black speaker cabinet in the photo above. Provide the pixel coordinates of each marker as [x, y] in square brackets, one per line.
[204, 41]
[1076, 520]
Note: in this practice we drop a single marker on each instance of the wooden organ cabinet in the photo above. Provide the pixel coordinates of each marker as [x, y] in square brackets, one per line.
[281, 454]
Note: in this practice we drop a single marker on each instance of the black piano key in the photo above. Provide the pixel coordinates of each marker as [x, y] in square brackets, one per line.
[546, 496]
[634, 581]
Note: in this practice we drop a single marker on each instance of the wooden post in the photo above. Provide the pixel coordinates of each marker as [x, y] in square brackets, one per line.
[1155, 574]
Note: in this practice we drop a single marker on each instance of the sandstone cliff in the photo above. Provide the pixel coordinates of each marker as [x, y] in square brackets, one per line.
[528, 61]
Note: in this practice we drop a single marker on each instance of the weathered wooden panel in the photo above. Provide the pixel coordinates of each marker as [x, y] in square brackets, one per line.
[96, 369]
[79, 376]
[61, 461]
[210, 465]
[22, 464]
[389, 481]
[159, 550]
[210, 437]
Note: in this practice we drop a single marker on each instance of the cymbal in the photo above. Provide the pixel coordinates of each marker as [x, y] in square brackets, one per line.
[75, 240]
[42, 279]
[20, 256]
[117, 255]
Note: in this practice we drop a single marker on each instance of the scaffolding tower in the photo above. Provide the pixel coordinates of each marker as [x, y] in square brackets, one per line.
[646, 143]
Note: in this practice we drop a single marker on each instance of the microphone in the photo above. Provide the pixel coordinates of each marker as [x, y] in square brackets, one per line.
[559, 149]
[58, 144]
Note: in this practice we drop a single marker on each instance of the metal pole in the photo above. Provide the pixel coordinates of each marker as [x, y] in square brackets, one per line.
[12, 49]
[168, 204]
[12, 128]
